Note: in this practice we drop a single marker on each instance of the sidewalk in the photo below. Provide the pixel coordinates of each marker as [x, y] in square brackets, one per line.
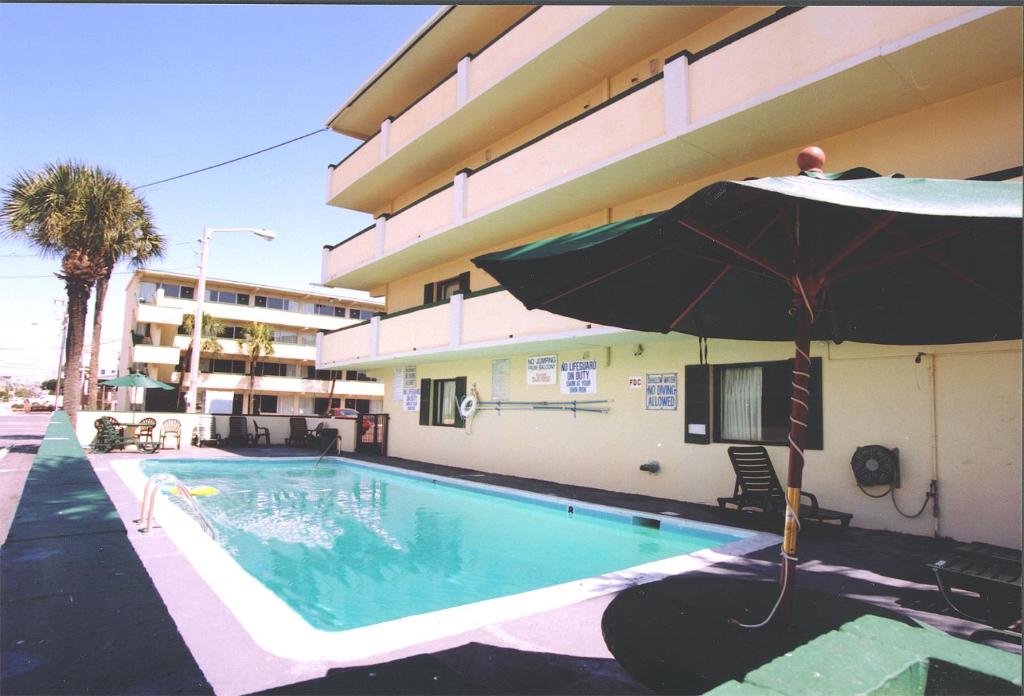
[79, 613]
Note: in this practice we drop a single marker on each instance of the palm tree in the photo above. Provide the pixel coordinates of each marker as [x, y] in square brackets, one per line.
[62, 211]
[208, 343]
[257, 342]
[124, 220]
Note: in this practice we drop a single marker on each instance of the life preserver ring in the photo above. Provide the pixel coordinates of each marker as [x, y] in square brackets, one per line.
[468, 406]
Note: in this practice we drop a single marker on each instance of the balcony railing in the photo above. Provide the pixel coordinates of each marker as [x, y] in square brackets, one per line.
[478, 320]
[677, 125]
[155, 355]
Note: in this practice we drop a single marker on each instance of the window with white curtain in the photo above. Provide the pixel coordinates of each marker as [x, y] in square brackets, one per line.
[752, 403]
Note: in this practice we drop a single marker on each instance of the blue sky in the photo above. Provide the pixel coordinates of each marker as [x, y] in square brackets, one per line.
[152, 91]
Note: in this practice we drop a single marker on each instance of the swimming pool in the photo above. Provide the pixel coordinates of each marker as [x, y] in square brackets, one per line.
[322, 561]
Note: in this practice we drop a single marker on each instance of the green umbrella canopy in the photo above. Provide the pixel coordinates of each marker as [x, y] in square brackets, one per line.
[893, 260]
[136, 380]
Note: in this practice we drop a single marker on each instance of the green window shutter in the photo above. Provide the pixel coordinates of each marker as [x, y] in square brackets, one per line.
[460, 394]
[428, 297]
[464, 283]
[424, 402]
[697, 393]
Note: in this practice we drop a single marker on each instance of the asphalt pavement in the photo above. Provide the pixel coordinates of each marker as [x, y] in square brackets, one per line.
[20, 435]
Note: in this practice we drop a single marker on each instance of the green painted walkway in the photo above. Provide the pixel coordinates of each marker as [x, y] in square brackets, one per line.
[79, 613]
[879, 656]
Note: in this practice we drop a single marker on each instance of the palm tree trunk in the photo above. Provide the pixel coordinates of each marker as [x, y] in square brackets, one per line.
[181, 377]
[78, 308]
[252, 383]
[94, 347]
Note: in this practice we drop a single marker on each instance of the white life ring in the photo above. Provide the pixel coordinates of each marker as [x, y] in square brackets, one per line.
[468, 406]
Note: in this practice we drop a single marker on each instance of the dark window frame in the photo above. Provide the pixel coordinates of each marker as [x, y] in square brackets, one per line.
[815, 419]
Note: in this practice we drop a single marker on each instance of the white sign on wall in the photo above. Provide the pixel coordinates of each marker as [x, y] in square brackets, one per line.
[397, 384]
[412, 399]
[500, 373]
[662, 391]
[540, 370]
[578, 377]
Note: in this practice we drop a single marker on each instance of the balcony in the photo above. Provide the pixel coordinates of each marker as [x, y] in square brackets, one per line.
[736, 103]
[287, 385]
[490, 322]
[156, 355]
[529, 67]
[159, 314]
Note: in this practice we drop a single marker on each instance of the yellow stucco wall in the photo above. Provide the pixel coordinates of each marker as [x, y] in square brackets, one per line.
[871, 395]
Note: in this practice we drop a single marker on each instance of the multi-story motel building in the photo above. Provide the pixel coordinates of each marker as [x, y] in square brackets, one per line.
[497, 125]
[287, 382]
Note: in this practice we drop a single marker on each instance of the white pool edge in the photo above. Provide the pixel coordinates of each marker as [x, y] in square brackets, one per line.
[281, 631]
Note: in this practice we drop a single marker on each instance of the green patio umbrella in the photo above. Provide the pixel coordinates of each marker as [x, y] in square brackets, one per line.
[847, 256]
[136, 380]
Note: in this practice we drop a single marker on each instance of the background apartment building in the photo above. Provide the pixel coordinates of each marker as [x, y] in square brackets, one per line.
[495, 126]
[287, 382]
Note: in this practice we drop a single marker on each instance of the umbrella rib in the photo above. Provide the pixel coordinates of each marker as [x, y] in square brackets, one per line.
[894, 255]
[721, 274]
[856, 243]
[579, 286]
[963, 277]
[732, 246]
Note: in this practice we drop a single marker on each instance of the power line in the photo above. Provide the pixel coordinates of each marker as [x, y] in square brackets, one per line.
[54, 274]
[231, 161]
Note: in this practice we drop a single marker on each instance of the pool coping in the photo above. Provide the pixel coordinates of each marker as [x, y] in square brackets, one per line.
[278, 630]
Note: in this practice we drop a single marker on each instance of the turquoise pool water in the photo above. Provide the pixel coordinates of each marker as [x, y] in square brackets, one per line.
[346, 545]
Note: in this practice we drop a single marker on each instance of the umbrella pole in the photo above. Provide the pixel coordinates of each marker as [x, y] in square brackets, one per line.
[797, 431]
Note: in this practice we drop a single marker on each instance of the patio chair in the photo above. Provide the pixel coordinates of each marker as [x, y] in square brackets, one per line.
[206, 431]
[992, 572]
[299, 433]
[238, 432]
[113, 422]
[757, 486]
[146, 427]
[170, 427]
[260, 432]
[110, 437]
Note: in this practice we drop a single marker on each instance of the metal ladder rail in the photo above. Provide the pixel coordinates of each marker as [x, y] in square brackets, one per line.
[333, 444]
[153, 486]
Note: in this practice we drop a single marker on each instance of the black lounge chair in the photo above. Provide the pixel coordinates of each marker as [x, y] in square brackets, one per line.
[299, 433]
[757, 486]
[992, 572]
[238, 432]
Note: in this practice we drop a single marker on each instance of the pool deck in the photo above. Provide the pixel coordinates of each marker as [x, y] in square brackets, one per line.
[90, 606]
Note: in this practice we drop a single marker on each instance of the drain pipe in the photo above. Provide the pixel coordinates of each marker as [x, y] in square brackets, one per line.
[933, 486]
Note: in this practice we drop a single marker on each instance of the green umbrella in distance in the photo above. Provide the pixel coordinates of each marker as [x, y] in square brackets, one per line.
[137, 381]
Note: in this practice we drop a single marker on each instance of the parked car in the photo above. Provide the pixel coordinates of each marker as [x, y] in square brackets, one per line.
[351, 413]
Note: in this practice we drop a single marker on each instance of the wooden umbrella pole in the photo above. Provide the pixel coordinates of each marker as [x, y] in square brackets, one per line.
[797, 435]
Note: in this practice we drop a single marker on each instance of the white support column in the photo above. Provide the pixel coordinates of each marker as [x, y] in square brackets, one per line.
[378, 235]
[385, 138]
[374, 336]
[677, 94]
[455, 326]
[459, 197]
[325, 254]
[462, 81]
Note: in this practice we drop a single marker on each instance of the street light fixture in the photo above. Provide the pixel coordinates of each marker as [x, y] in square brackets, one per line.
[197, 323]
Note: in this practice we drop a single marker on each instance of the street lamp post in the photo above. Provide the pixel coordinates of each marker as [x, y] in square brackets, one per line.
[197, 323]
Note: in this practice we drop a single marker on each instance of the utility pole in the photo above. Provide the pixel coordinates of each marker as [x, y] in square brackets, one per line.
[60, 359]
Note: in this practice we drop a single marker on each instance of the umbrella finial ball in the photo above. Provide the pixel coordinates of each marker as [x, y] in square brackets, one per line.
[811, 159]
